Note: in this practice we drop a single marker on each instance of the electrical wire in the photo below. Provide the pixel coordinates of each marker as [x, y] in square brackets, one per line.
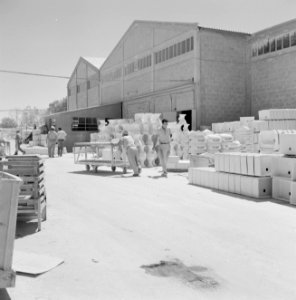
[90, 79]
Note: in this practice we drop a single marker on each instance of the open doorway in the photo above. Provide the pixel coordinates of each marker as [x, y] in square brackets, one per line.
[188, 117]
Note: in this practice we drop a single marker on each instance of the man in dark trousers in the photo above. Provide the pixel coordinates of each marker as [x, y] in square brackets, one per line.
[18, 142]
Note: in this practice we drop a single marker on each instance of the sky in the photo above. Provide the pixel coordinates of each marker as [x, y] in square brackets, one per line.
[49, 36]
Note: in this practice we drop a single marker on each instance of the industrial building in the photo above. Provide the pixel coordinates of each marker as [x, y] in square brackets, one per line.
[211, 75]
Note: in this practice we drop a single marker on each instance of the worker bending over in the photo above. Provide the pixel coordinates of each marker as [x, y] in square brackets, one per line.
[131, 150]
[162, 145]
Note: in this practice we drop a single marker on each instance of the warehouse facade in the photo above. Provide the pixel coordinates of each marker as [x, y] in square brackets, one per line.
[211, 75]
[175, 68]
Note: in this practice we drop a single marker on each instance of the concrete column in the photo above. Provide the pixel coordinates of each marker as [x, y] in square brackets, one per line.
[197, 76]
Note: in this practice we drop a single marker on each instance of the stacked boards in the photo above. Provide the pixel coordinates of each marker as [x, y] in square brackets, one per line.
[32, 196]
[246, 174]
[284, 170]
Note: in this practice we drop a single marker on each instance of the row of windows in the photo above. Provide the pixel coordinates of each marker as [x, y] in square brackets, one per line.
[78, 87]
[112, 75]
[140, 64]
[84, 124]
[174, 50]
[275, 44]
[146, 62]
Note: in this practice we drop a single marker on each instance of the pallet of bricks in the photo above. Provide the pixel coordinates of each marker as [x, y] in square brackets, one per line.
[246, 174]
[32, 196]
[284, 170]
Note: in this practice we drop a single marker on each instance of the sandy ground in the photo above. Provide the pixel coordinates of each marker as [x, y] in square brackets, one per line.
[107, 225]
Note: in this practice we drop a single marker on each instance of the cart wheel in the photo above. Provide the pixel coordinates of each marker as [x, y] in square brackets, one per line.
[113, 169]
[124, 170]
[96, 169]
[87, 167]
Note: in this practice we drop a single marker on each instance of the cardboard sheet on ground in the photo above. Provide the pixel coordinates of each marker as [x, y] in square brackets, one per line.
[34, 264]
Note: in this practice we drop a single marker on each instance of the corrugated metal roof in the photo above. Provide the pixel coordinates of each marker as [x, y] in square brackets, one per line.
[95, 61]
[224, 30]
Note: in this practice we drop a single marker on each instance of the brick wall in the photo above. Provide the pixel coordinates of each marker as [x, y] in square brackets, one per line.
[223, 76]
[273, 74]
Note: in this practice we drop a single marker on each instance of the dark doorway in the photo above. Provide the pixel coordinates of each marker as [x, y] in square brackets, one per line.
[188, 117]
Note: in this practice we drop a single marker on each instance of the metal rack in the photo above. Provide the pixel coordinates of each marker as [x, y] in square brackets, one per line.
[89, 154]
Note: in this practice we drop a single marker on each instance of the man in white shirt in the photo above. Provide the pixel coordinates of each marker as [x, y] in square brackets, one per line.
[61, 139]
[163, 144]
[127, 142]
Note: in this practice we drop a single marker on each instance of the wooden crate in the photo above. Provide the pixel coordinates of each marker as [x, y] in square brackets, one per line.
[9, 190]
[32, 202]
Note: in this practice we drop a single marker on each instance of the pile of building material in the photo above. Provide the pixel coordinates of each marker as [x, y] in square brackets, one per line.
[284, 170]
[143, 129]
[282, 119]
[9, 190]
[246, 174]
[32, 197]
[257, 135]
[38, 138]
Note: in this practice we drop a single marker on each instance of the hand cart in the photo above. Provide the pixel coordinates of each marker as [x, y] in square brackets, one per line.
[90, 154]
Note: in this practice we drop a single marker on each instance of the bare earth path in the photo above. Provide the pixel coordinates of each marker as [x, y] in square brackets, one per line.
[106, 226]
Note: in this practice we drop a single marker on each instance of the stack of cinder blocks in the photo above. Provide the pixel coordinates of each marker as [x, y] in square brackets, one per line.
[284, 170]
[247, 174]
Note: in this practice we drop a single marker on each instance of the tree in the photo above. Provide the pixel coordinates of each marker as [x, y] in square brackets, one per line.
[30, 116]
[8, 123]
[57, 106]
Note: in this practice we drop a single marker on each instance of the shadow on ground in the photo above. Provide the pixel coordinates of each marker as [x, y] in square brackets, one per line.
[98, 173]
[194, 276]
[237, 196]
[25, 228]
[4, 295]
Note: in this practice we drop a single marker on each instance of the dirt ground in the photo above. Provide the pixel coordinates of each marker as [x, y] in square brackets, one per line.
[124, 237]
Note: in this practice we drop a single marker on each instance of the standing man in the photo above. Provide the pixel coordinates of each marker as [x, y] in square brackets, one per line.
[61, 138]
[163, 142]
[51, 140]
[132, 152]
[18, 142]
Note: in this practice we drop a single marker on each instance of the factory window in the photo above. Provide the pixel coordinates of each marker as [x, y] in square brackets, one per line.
[272, 45]
[279, 43]
[254, 51]
[129, 68]
[260, 50]
[293, 39]
[69, 92]
[174, 50]
[78, 89]
[84, 124]
[163, 55]
[286, 41]
[171, 49]
[112, 75]
[266, 46]
[88, 84]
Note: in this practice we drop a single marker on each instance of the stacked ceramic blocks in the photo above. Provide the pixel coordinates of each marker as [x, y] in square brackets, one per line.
[282, 119]
[284, 170]
[246, 174]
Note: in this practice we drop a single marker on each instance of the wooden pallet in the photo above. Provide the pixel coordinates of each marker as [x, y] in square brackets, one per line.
[32, 196]
[9, 190]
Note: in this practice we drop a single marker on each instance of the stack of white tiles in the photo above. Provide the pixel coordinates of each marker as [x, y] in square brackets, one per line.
[284, 170]
[246, 174]
[279, 119]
